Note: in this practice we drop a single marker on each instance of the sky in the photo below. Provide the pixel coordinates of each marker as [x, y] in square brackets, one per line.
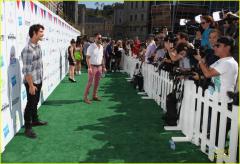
[92, 4]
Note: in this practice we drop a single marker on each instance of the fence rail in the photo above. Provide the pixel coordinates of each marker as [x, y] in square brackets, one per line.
[204, 120]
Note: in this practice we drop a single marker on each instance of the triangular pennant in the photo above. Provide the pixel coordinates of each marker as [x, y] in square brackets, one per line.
[35, 6]
[41, 12]
[49, 15]
[18, 3]
[32, 5]
[44, 13]
[23, 4]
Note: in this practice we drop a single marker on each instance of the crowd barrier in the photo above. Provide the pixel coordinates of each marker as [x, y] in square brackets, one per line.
[201, 113]
[16, 18]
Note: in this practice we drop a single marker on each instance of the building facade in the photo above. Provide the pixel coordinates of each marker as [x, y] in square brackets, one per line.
[70, 11]
[136, 19]
[55, 7]
[119, 30]
[100, 25]
[81, 18]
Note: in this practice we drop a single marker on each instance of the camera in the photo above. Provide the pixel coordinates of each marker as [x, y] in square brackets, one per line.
[171, 38]
[194, 51]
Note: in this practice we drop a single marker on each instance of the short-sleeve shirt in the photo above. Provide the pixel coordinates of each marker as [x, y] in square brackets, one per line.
[228, 69]
[95, 53]
[32, 62]
[150, 50]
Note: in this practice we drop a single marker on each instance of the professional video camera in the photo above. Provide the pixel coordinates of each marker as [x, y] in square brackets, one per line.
[225, 15]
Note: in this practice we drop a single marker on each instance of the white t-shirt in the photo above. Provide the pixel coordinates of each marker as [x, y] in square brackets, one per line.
[95, 53]
[228, 69]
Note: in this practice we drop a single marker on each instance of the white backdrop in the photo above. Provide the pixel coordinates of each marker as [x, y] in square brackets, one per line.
[16, 18]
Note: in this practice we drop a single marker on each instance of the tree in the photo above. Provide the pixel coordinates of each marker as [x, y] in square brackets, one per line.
[107, 11]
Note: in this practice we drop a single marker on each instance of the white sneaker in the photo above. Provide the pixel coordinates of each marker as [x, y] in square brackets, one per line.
[79, 72]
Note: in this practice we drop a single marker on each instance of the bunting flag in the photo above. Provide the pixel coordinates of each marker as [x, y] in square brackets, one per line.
[44, 13]
[35, 6]
[32, 5]
[50, 16]
[18, 3]
[41, 12]
[23, 4]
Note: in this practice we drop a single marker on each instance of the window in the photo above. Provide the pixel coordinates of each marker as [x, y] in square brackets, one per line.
[136, 5]
[142, 4]
[131, 17]
[131, 5]
[120, 20]
[142, 16]
[135, 17]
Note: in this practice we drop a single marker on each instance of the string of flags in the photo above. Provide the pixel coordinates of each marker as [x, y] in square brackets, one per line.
[44, 14]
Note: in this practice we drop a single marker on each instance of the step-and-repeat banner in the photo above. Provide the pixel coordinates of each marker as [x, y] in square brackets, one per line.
[16, 18]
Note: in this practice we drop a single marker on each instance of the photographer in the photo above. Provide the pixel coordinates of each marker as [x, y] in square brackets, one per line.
[150, 49]
[160, 52]
[177, 55]
[209, 56]
[180, 54]
[142, 52]
[197, 40]
[224, 71]
[206, 22]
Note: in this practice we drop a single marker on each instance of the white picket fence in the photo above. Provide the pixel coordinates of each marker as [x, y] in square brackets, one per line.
[195, 122]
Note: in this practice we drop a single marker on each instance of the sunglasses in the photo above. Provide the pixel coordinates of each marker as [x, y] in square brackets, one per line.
[99, 38]
[203, 22]
[216, 45]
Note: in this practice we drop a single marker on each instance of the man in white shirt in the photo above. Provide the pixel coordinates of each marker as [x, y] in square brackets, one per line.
[224, 72]
[96, 67]
[150, 48]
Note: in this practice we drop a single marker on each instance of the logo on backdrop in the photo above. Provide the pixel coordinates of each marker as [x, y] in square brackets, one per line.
[13, 80]
[15, 101]
[2, 38]
[27, 23]
[11, 36]
[20, 21]
[5, 106]
[6, 131]
[13, 59]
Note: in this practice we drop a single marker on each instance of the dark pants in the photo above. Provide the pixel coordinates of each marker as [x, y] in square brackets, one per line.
[30, 114]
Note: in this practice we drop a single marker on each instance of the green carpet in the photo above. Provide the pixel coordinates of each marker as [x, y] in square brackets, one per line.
[121, 128]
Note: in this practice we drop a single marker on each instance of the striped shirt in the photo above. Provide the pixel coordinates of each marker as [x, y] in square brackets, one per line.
[32, 62]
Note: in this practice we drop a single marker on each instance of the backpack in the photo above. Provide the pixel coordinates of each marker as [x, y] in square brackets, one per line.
[172, 115]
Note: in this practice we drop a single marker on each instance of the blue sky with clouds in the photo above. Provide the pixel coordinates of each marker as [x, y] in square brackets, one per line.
[92, 4]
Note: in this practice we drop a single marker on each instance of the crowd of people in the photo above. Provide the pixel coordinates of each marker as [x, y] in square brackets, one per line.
[211, 56]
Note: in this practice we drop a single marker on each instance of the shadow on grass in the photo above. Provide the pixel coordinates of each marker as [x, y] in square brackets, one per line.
[60, 102]
[135, 133]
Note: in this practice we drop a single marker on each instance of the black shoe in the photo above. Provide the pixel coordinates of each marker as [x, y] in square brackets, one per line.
[30, 134]
[39, 123]
[73, 81]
